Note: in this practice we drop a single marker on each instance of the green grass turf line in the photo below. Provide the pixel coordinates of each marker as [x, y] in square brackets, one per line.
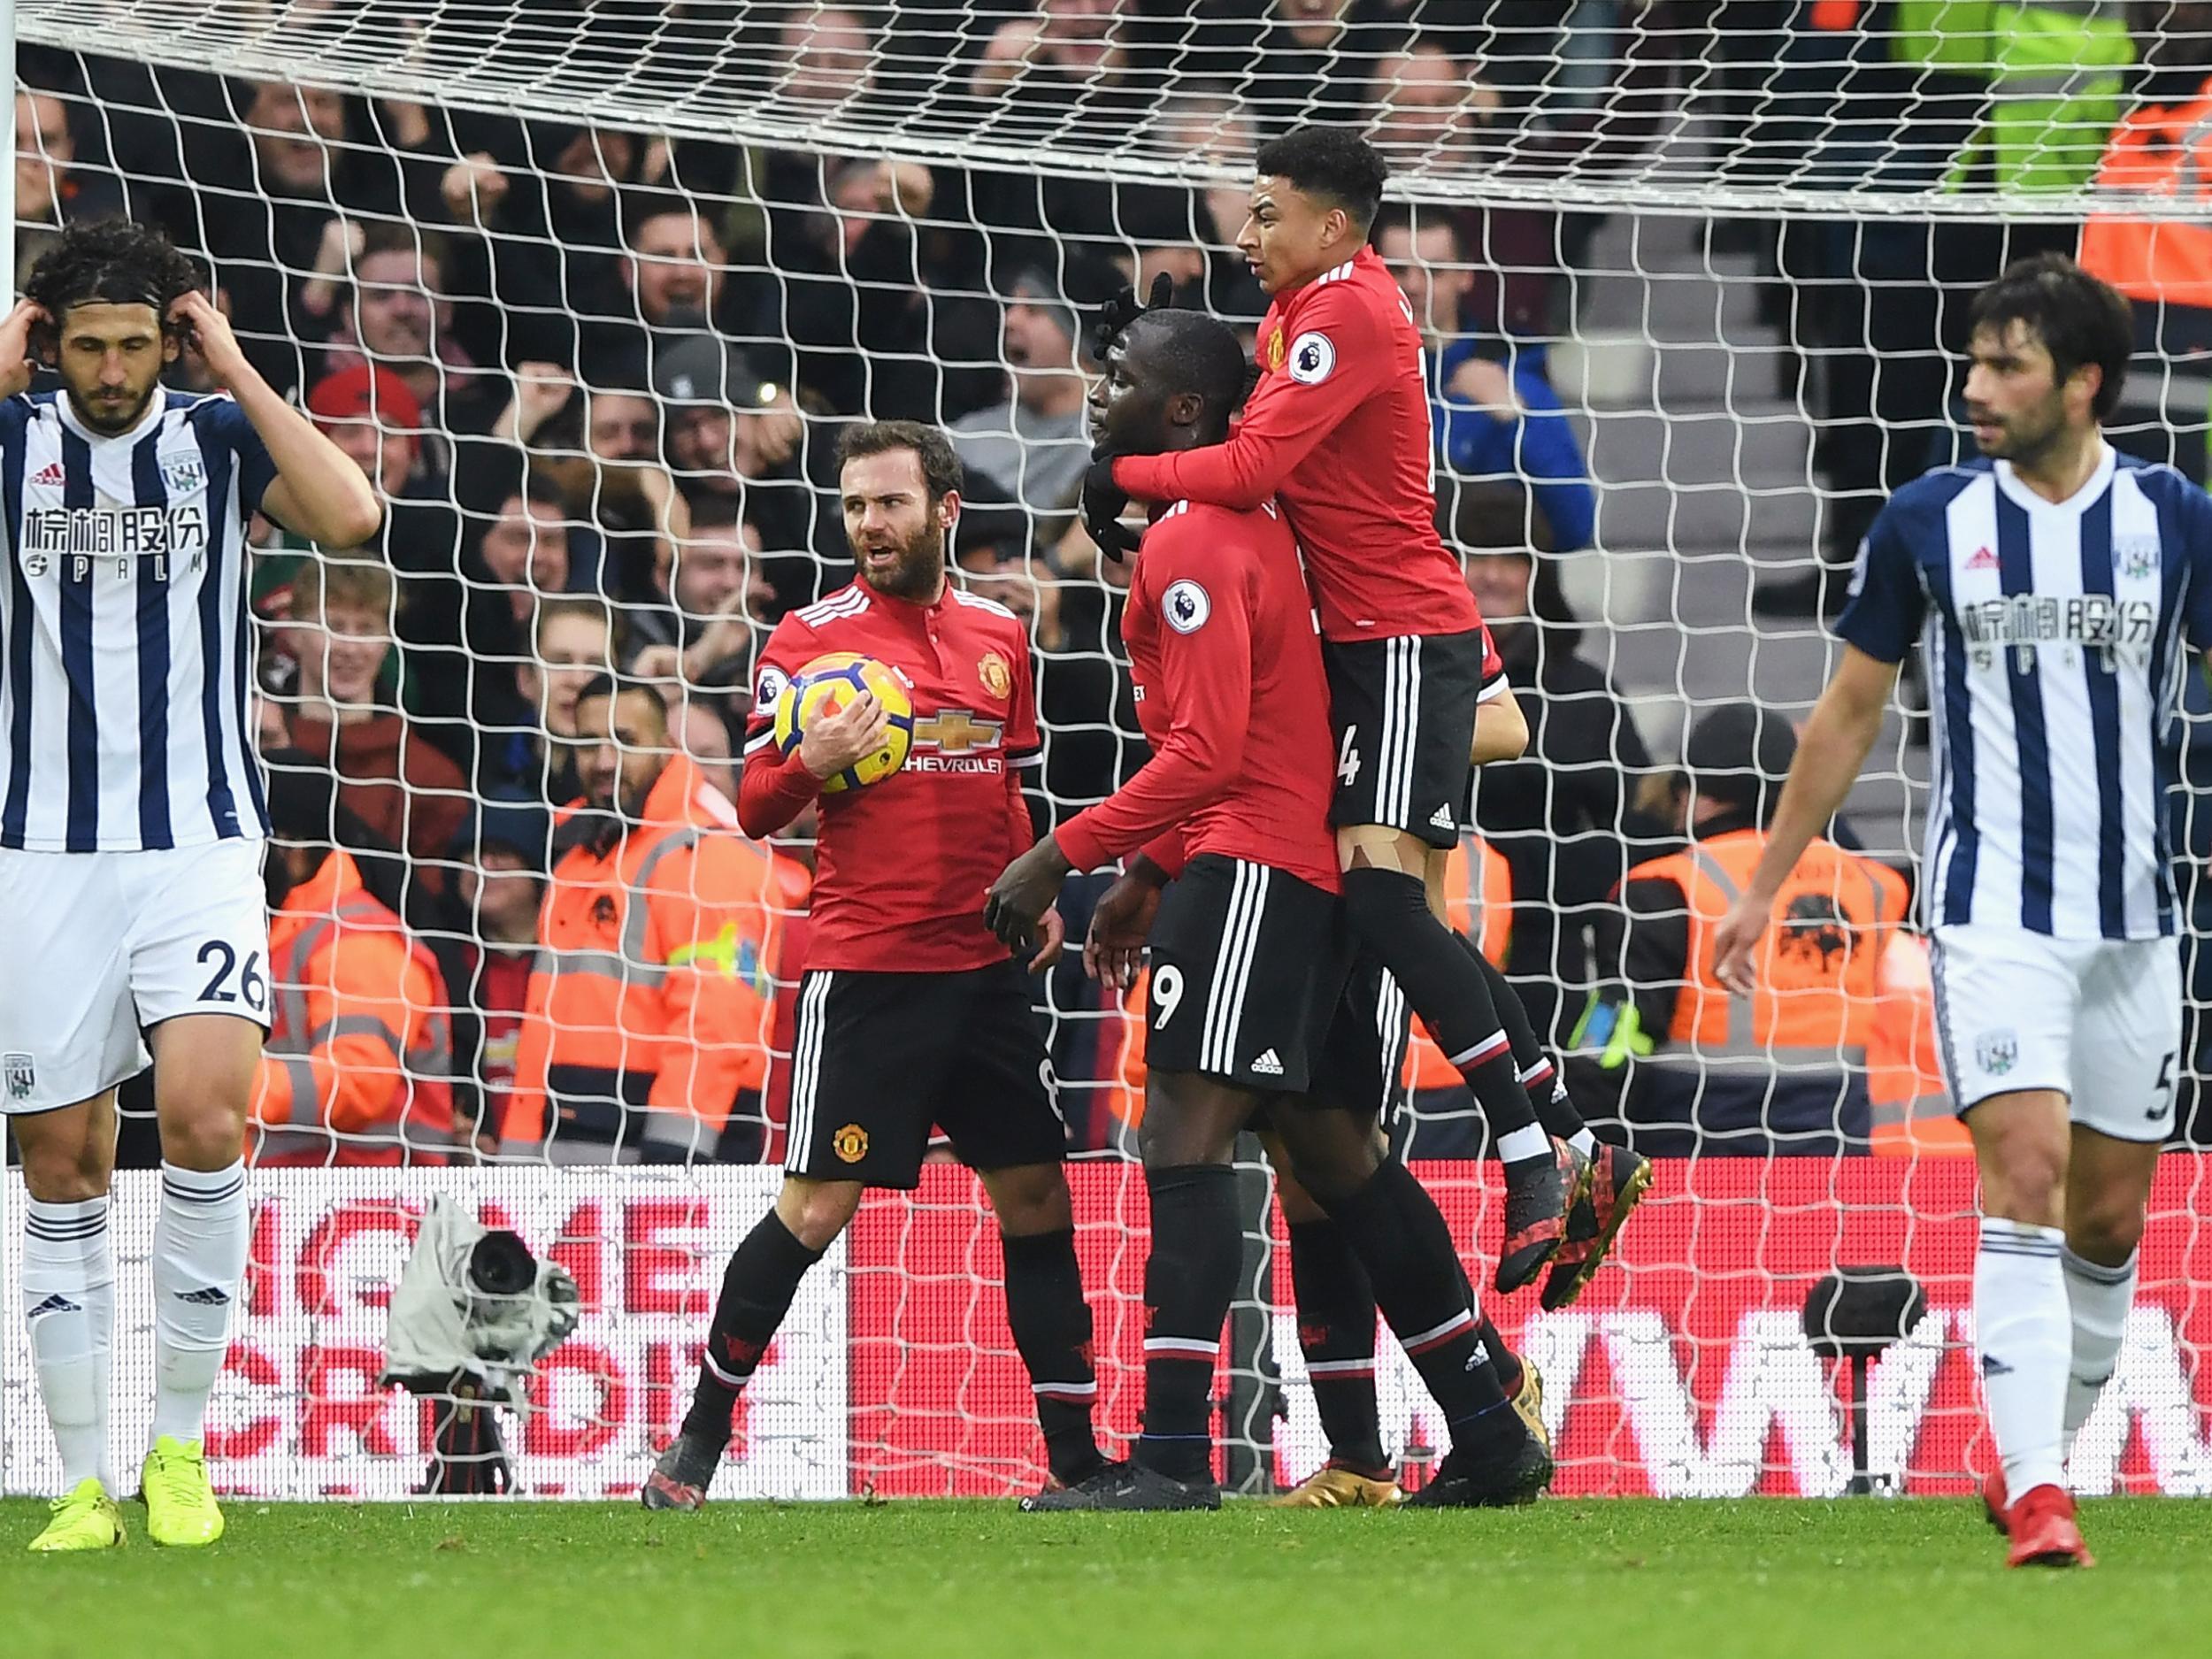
[1630, 1579]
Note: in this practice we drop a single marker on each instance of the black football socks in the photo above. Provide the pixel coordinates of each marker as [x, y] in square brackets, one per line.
[758, 1287]
[1189, 1281]
[1052, 1329]
[1336, 1333]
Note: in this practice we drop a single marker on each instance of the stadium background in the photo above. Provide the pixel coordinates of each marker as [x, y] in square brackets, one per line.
[1729, 244]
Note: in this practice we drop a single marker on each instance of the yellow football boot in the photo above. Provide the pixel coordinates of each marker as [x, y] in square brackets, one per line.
[85, 1519]
[1528, 1404]
[1331, 1487]
[173, 1484]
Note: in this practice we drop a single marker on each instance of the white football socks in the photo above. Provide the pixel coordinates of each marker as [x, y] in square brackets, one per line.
[2100, 1298]
[69, 1303]
[2023, 1333]
[200, 1244]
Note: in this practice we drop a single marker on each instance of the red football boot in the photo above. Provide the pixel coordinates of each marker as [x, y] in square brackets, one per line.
[2041, 1526]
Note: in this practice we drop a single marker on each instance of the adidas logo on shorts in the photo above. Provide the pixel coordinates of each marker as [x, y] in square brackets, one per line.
[1442, 819]
[1267, 1065]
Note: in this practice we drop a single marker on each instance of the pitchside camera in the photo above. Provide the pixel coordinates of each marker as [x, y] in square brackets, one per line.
[1853, 1315]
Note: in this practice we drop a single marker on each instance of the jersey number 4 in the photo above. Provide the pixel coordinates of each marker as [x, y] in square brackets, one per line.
[1348, 758]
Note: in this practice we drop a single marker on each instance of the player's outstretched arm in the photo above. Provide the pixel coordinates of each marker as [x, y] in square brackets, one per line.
[318, 491]
[1837, 736]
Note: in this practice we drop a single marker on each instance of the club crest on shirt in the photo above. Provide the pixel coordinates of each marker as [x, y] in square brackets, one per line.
[997, 676]
[184, 474]
[1275, 349]
[2134, 557]
[22, 1076]
[1997, 1052]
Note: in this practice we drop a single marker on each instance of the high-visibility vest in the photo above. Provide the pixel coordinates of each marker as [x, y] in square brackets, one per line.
[2159, 149]
[357, 1065]
[1479, 902]
[654, 985]
[1819, 985]
[2053, 68]
[1904, 1070]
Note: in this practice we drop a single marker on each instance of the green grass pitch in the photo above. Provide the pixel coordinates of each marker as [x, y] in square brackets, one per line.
[1636, 1580]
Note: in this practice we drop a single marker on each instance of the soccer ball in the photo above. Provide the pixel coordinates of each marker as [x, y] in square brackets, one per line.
[826, 685]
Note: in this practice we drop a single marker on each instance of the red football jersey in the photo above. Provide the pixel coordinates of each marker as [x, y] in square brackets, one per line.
[902, 866]
[1232, 697]
[1338, 429]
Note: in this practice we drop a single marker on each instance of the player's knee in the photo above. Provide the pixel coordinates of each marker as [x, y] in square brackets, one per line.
[203, 1132]
[2023, 1176]
[68, 1172]
[816, 1211]
[1380, 904]
[2104, 1229]
[1031, 1198]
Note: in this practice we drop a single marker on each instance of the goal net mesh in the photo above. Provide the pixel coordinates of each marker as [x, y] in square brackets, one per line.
[590, 290]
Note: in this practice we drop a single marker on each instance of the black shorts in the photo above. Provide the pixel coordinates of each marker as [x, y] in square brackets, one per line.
[878, 1058]
[1403, 713]
[1247, 963]
[1363, 1056]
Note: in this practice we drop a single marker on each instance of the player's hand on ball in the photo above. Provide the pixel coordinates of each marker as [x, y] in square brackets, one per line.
[16, 366]
[1114, 948]
[1736, 942]
[836, 740]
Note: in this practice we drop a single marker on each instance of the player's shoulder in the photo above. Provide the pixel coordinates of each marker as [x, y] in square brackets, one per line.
[1358, 293]
[1915, 507]
[845, 605]
[988, 616]
[2162, 483]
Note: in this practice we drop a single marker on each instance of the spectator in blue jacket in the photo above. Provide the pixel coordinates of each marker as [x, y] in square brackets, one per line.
[1496, 417]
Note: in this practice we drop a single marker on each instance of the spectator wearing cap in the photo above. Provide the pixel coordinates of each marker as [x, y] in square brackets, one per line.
[355, 1072]
[1033, 445]
[1495, 415]
[486, 949]
[738, 443]
[1698, 1071]
[389, 775]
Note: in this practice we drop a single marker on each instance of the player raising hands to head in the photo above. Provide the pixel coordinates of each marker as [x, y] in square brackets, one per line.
[131, 822]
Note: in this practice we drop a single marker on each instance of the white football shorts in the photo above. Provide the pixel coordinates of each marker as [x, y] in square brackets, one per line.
[2097, 1019]
[97, 946]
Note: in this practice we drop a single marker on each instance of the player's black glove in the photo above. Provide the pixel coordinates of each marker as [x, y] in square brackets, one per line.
[1103, 503]
[1119, 311]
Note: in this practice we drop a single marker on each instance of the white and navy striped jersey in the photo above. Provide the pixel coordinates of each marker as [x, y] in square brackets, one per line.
[2053, 636]
[123, 627]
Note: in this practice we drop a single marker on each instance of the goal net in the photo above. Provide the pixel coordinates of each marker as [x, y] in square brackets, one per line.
[590, 289]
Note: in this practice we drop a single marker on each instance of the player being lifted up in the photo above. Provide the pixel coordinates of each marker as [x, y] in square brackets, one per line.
[1259, 999]
[911, 1013]
[2052, 585]
[1339, 429]
[132, 822]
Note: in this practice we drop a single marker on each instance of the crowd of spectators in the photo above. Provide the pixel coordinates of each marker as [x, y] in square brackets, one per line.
[597, 377]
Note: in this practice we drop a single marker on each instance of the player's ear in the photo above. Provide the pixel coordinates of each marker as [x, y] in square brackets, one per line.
[948, 509]
[1184, 409]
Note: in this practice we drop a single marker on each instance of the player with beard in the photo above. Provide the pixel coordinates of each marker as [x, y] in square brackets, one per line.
[1259, 1000]
[132, 825]
[911, 1013]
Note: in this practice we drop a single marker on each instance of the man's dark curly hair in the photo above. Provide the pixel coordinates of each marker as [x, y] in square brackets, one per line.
[113, 262]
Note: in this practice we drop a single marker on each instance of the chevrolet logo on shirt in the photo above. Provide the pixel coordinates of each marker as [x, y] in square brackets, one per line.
[960, 743]
[957, 731]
